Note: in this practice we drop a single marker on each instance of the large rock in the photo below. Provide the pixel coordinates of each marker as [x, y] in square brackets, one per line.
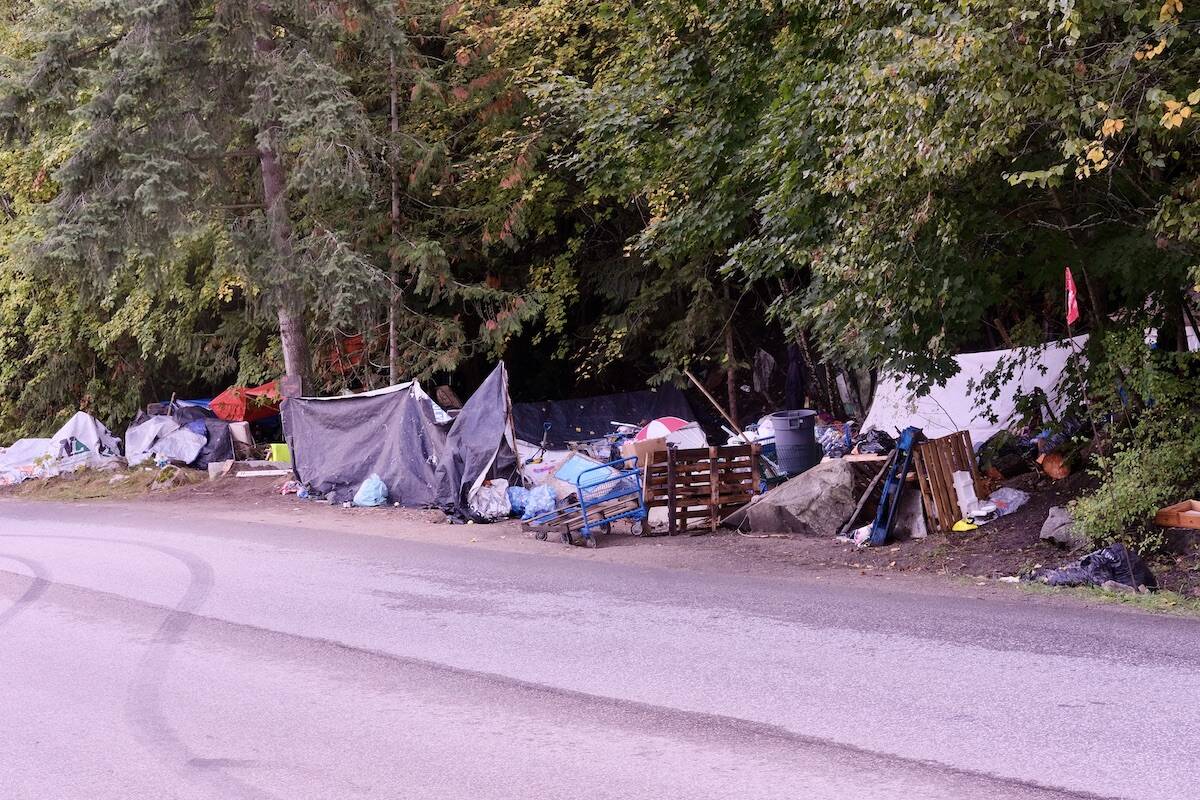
[1060, 529]
[817, 503]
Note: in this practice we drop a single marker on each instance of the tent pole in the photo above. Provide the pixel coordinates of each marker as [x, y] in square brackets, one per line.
[714, 402]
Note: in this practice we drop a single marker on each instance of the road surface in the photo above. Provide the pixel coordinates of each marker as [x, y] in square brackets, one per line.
[145, 655]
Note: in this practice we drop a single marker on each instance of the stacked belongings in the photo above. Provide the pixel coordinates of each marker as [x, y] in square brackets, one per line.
[188, 435]
[82, 442]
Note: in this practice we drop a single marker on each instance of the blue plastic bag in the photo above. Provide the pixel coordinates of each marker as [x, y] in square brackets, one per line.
[373, 492]
[541, 501]
[518, 497]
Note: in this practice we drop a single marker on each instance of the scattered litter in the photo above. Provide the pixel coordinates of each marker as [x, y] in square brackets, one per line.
[1007, 500]
[291, 487]
[1009, 579]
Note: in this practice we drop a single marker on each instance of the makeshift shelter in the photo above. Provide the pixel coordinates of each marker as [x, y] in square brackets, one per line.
[247, 403]
[397, 433]
[480, 445]
[592, 417]
[953, 407]
[82, 442]
[191, 435]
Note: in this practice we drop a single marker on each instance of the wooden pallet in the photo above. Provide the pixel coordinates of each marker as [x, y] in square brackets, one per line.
[936, 462]
[702, 485]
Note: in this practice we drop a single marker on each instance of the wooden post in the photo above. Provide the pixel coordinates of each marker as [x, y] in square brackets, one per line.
[671, 490]
[714, 488]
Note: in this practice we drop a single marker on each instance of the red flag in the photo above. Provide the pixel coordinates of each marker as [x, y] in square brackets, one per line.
[1072, 300]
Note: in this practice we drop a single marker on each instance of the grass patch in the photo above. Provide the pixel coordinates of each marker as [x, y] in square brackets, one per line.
[94, 484]
[1161, 602]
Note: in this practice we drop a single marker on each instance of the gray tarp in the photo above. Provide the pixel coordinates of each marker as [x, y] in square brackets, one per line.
[338, 442]
[480, 444]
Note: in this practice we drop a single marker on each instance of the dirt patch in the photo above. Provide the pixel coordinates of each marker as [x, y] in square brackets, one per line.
[1009, 546]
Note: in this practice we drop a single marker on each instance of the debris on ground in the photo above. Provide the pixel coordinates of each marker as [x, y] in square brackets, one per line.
[1112, 564]
[1059, 528]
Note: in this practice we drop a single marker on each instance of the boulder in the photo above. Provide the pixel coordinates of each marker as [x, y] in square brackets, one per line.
[815, 503]
[1060, 529]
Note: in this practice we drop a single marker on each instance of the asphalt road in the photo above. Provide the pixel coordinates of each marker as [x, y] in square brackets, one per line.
[144, 656]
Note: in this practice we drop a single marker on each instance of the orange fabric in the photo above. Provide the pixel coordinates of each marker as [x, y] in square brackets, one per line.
[247, 404]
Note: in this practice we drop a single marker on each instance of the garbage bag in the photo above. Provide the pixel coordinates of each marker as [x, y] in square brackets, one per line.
[372, 492]
[875, 442]
[1008, 500]
[1113, 563]
[490, 501]
[541, 501]
[518, 496]
[1006, 454]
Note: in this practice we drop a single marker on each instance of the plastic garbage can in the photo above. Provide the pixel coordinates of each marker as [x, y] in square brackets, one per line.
[796, 440]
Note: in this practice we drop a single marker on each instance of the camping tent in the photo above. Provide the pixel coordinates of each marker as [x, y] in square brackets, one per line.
[592, 417]
[480, 444]
[82, 442]
[952, 407]
[396, 433]
[247, 403]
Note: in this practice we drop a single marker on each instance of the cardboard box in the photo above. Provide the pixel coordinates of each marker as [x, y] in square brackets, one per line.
[643, 449]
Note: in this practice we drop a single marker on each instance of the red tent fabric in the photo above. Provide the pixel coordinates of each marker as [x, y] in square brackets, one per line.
[247, 404]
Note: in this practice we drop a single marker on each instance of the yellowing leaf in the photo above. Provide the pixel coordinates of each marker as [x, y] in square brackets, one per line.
[1194, 97]
[1112, 127]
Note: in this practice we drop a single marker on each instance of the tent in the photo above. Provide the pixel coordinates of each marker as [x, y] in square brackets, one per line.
[396, 433]
[247, 404]
[592, 417]
[399, 433]
[952, 407]
[480, 444]
[82, 442]
[191, 435]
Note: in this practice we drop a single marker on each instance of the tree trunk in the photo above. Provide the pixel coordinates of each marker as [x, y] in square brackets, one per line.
[292, 330]
[394, 296]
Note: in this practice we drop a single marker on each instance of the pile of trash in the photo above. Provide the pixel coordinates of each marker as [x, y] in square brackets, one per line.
[82, 442]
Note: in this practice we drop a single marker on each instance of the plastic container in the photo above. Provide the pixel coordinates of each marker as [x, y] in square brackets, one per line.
[796, 440]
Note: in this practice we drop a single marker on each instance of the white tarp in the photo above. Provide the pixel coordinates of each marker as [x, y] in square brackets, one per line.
[140, 438]
[951, 408]
[82, 442]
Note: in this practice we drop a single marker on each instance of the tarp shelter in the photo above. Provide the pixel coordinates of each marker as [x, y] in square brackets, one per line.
[480, 445]
[592, 417]
[247, 403]
[952, 407]
[191, 435]
[396, 433]
[82, 442]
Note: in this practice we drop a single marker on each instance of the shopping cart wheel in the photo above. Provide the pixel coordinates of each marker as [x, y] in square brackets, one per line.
[566, 537]
[590, 541]
[541, 536]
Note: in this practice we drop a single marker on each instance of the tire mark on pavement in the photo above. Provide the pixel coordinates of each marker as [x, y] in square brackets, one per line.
[41, 582]
[144, 703]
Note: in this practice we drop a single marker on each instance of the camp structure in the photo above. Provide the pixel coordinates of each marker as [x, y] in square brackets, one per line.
[247, 403]
[398, 433]
[189, 435]
[956, 405]
[82, 442]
